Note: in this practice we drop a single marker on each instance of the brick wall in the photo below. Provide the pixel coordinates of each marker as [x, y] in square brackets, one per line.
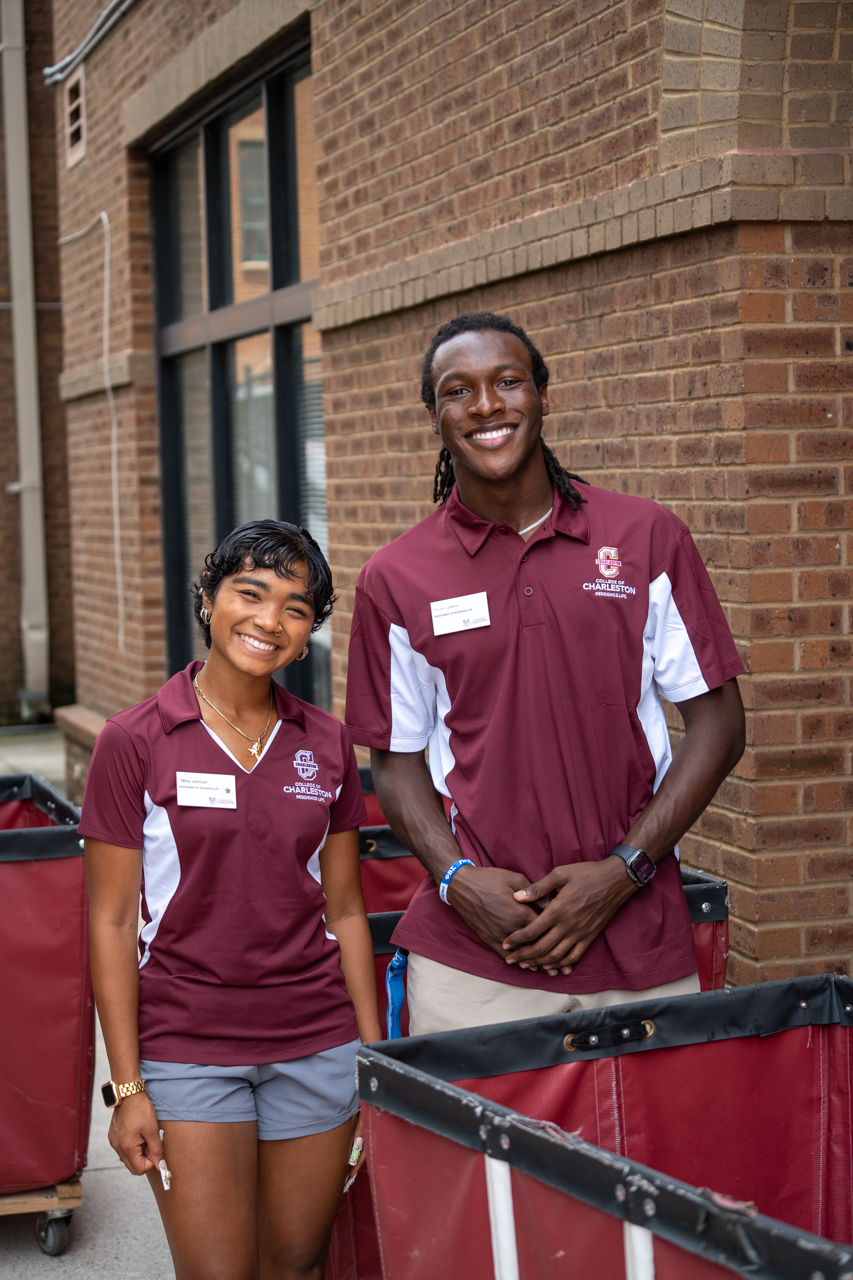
[705, 370]
[671, 368]
[115, 180]
[759, 75]
[441, 120]
[517, 156]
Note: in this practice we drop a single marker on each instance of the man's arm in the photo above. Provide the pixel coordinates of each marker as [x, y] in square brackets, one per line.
[588, 894]
[483, 896]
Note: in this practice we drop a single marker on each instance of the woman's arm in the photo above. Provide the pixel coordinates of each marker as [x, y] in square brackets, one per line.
[340, 876]
[114, 876]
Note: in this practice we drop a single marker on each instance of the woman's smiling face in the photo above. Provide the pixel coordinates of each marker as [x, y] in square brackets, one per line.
[260, 622]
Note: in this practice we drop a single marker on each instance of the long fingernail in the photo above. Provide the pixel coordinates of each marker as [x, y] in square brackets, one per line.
[356, 1151]
[349, 1183]
[165, 1176]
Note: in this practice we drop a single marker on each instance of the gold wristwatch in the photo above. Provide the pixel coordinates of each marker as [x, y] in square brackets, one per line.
[114, 1094]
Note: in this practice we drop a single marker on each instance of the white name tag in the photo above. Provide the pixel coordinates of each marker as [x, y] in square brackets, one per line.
[207, 790]
[461, 613]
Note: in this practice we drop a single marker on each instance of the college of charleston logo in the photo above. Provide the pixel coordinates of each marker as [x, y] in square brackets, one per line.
[305, 765]
[609, 585]
[608, 562]
[307, 768]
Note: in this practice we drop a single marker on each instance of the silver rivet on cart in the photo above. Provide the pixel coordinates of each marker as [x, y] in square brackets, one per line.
[484, 1133]
[649, 1208]
[804, 1004]
[620, 1193]
[706, 907]
[505, 1142]
[80, 842]
[848, 1008]
[626, 1031]
[593, 1039]
[374, 1084]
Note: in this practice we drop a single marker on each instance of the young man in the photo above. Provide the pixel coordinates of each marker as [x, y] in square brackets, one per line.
[524, 633]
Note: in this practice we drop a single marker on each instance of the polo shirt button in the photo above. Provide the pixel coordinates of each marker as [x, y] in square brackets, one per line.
[524, 559]
[502, 528]
[528, 591]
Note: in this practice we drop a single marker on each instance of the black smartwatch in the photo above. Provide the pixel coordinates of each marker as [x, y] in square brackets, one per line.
[638, 864]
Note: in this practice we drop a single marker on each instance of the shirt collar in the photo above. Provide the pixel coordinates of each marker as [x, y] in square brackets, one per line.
[177, 701]
[472, 530]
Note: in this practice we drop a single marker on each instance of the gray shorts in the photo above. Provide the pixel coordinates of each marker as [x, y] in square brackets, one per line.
[287, 1099]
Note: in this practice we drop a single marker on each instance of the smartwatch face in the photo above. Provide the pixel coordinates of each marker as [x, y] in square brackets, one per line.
[642, 867]
[108, 1093]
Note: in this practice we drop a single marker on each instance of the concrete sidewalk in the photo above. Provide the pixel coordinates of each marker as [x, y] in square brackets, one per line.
[116, 1234]
[39, 751]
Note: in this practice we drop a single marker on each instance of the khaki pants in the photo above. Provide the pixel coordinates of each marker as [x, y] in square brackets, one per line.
[445, 999]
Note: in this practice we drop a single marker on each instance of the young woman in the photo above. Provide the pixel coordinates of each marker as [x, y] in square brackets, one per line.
[232, 1030]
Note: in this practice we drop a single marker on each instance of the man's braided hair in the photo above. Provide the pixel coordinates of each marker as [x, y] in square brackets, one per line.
[476, 322]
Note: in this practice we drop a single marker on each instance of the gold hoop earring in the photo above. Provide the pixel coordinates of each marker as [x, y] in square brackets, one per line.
[303, 654]
[205, 616]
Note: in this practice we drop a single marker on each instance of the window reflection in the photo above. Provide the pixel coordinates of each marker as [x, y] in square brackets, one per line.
[253, 447]
[312, 487]
[247, 184]
[191, 254]
[306, 180]
[194, 396]
[241, 457]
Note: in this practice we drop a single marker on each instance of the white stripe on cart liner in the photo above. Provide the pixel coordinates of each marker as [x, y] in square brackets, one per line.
[639, 1252]
[501, 1219]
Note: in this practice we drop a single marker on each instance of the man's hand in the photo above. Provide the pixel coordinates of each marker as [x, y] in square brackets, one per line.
[483, 896]
[586, 897]
[487, 899]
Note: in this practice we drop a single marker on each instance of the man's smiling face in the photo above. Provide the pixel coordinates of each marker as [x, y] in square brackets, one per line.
[487, 410]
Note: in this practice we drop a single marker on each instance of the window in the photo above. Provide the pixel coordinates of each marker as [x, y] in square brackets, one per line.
[75, 118]
[237, 257]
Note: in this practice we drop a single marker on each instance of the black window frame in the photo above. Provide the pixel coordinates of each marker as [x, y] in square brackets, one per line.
[280, 311]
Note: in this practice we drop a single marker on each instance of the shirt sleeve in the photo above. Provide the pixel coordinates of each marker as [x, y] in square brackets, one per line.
[687, 635]
[114, 799]
[348, 809]
[391, 699]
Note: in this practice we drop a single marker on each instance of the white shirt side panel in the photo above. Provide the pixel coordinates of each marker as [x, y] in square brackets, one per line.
[677, 673]
[653, 720]
[419, 706]
[314, 860]
[161, 868]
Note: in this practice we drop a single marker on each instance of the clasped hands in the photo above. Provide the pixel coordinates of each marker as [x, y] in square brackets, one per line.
[546, 925]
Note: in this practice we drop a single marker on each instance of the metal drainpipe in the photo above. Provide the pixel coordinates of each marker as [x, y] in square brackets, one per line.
[34, 613]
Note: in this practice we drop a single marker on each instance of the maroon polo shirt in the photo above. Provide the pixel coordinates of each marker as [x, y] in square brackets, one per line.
[534, 673]
[236, 965]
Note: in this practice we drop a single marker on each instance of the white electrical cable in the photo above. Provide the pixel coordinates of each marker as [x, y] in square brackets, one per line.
[111, 403]
[107, 19]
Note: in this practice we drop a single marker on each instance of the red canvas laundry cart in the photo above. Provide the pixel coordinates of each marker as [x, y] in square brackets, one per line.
[684, 1139]
[390, 875]
[47, 1049]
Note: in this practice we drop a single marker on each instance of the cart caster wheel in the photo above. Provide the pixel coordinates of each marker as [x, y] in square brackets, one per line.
[52, 1234]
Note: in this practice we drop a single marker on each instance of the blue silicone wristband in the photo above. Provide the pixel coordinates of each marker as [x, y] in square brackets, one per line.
[449, 874]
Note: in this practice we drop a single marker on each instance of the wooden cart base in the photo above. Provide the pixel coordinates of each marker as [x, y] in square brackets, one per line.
[53, 1207]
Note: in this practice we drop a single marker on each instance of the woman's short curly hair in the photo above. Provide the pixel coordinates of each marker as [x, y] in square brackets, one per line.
[266, 544]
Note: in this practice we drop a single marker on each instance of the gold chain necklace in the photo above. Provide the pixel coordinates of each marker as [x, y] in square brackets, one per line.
[255, 743]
